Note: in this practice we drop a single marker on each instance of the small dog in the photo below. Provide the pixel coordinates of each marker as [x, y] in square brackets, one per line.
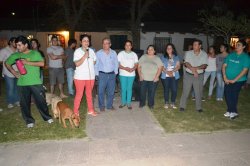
[54, 101]
[66, 113]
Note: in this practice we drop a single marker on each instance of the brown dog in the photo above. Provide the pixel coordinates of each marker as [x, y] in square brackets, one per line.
[66, 113]
[54, 100]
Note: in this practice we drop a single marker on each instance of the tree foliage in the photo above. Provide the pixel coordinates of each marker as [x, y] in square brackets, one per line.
[138, 9]
[70, 13]
[219, 21]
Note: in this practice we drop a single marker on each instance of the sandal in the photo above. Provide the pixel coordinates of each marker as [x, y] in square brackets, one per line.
[92, 113]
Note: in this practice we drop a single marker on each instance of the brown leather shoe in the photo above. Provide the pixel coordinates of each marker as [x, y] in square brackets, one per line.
[102, 110]
[129, 107]
[112, 109]
[121, 106]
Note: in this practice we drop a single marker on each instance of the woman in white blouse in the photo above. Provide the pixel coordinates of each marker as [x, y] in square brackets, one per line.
[84, 78]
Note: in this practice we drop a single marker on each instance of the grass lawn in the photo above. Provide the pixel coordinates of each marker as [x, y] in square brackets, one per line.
[13, 127]
[211, 119]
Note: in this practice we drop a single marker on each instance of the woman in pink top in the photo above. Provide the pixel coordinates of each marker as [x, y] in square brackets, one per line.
[210, 70]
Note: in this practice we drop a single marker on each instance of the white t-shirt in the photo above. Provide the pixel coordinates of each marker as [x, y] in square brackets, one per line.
[55, 50]
[4, 55]
[170, 67]
[211, 65]
[127, 60]
[86, 70]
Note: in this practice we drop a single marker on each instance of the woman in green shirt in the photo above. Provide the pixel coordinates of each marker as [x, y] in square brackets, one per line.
[234, 71]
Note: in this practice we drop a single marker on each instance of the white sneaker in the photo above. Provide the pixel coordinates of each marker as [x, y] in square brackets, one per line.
[10, 106]
[233, 115]
[1, 109]
[173, 106]
[30, 125]
[221, 99]
[227, 114]
[50, 121]
[218, 99]
[17, 104]
[166, 106]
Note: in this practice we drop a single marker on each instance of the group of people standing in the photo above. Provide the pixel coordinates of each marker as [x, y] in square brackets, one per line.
[229, 69]
[84, 66]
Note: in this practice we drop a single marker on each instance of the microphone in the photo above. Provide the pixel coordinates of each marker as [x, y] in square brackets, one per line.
[87, 49]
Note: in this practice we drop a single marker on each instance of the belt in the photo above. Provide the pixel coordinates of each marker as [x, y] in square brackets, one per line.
[193, 74]
[112, 72]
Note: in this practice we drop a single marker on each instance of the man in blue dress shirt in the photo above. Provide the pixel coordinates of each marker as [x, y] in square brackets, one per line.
[106, 68]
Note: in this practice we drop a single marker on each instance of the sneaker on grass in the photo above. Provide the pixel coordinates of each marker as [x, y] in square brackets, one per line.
[166, 106]
[233, 115]
[10, 106]
[50, 121]
[30, 125]
[227, 114]
[173, 106]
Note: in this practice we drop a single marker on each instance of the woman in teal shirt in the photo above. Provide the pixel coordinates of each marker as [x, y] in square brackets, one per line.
[234, 70]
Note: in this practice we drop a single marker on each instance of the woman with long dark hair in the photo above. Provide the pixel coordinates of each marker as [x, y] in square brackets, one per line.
[170, 75]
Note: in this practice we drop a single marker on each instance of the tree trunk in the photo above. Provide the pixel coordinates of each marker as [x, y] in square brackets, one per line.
[71, 34]
[136, 37]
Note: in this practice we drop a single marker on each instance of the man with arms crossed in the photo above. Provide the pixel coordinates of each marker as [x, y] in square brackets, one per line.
[195, 62]
[56, 71]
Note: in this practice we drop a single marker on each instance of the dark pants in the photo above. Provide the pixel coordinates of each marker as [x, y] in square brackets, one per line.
[38, 93]
[149, 88]
[232, 94]
[170, 84]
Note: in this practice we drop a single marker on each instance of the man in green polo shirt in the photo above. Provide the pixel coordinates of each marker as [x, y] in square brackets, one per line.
[29, 83]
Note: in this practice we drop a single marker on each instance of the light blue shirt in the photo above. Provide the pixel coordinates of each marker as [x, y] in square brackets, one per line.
[106, 62]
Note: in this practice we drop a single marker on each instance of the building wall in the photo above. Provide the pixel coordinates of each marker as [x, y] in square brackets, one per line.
[96, 37]
[177, 39]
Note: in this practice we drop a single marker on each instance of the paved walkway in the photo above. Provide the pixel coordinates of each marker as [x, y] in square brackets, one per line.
[128, 138]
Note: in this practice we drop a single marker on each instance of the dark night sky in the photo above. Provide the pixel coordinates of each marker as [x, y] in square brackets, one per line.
[163, 10]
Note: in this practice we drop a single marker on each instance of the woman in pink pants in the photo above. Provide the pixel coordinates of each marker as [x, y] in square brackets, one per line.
[84, 78]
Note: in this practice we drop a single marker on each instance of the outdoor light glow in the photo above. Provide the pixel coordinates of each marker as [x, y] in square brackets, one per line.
[233, 41]
[65, 33]
[30, 37]
[13, 13]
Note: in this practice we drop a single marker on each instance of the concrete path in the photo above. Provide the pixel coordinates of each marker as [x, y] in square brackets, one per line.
[128, 138]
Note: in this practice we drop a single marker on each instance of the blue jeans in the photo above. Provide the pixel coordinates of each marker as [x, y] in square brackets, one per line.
[126, 89]
[70, 78]
[220, 85]
[232, 94]
[149, 88]
[211, 83]
[11, 89]
[170, 84]
[106, 86]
